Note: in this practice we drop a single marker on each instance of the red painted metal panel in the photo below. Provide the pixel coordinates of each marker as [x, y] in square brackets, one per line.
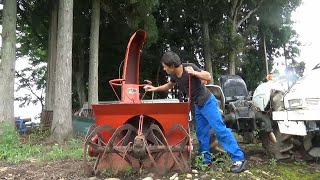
[166, 114]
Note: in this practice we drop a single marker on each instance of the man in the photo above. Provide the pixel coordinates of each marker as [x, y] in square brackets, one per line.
[206, 109]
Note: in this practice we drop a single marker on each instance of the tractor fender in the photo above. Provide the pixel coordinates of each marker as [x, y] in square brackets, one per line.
[263, 94]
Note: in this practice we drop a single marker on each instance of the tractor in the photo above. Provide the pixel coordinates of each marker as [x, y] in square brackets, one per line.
[238, 111]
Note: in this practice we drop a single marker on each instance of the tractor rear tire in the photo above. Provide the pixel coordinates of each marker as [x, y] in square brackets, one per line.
[282, 149]
[311, 147]
[291, 147]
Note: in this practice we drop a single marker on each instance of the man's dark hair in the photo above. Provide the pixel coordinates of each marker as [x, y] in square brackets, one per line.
[171, 59]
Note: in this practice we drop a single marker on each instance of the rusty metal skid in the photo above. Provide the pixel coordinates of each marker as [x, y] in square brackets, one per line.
[134, 134]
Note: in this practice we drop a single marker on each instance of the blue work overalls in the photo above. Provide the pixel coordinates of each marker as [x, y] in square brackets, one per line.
[208, 116]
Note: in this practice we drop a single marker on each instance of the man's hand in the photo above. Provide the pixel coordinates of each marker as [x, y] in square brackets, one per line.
[189, 70]
[150, 88]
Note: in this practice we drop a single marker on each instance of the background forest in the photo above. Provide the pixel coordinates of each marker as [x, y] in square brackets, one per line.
[75, 48]
[223, 37]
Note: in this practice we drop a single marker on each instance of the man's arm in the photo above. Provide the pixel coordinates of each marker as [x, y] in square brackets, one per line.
[164, 87]
[202, 75]
[195, 71]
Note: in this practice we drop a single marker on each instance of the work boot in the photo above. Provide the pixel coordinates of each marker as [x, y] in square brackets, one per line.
[238, 166]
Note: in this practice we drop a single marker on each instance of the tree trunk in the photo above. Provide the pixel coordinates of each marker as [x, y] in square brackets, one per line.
[62, 119]
[232, 62]
[265, 53]
[7, 62]
[94, 53]
[52, 56]
[285, 52]
[79, 76]
[206, 43]
[232, 52]
[80, 88]
[236, 23]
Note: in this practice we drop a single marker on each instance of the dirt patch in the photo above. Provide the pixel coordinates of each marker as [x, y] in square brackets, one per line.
[66, 169]
[259, 167]
[72, 169]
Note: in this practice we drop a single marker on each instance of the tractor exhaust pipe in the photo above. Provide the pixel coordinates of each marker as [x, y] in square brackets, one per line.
[273, 138]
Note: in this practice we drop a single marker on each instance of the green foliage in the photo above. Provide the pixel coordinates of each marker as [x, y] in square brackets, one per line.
[273, 21]
[9, 143]
[125, 173]
[276, 24]
[297, 171]
[221, 161]
[9, 136]
[174, 25]
[253, 69]
[33, 79]
[12, 150]
[72, 150]
[107, 173]
[273, 163]
[128, 173]
[290, 170]
[32, 27]
[37, 135]
[149, 25]
[199, 163]
[300, 163]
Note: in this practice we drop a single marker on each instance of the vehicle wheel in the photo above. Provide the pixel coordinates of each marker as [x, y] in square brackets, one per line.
[311, 147]
[280, 150]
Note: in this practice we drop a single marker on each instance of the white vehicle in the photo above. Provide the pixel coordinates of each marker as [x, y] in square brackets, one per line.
[267, 98]
[300, 115]
[294, 110]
